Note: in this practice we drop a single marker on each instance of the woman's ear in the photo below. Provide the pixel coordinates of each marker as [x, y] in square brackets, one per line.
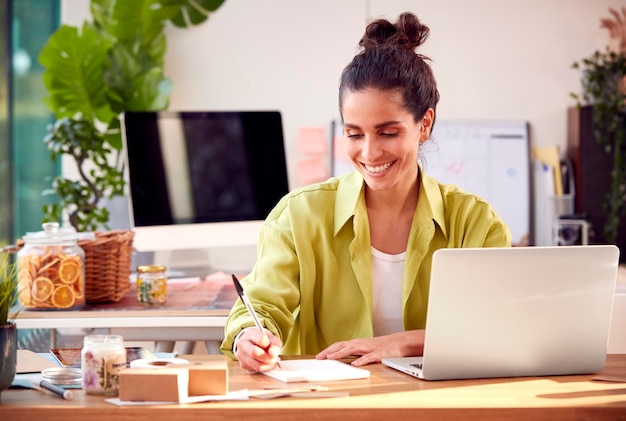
[427, 124]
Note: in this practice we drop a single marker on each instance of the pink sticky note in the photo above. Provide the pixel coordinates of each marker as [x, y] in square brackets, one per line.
[339, 149]
[311, 170]
[312, 140]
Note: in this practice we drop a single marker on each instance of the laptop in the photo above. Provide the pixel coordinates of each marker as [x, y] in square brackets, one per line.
[519, 311]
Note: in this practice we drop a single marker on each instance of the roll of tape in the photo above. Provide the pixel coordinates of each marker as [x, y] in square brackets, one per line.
[157, 363]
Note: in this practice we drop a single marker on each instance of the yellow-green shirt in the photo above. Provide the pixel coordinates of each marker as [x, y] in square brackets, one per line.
[312, 282]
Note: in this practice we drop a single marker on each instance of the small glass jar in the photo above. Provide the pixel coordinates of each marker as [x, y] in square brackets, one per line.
[51, 269]
[101, 359]
[151, 285]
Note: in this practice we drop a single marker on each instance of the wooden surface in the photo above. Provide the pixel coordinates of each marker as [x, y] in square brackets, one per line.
[191, 296]
[195, 310]
[387, 394]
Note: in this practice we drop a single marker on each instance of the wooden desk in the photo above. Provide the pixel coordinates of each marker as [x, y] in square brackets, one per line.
[388, 394]
[194, 311]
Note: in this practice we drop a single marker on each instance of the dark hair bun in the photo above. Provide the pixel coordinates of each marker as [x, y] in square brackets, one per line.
[408, 32]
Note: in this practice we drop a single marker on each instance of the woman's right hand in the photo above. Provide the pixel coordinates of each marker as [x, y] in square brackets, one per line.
[258, 351]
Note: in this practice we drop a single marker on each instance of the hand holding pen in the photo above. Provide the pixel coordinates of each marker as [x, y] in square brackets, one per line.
[257, 349]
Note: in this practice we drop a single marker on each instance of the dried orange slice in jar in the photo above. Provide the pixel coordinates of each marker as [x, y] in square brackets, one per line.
[42, 289]
[69, 271]
[25, 283]
[79, 293]
[63, 296]
[48, 267]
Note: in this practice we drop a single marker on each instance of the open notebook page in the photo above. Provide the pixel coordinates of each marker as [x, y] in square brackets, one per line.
[311, 370]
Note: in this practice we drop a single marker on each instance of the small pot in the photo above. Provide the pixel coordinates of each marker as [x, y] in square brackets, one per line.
[8, 355]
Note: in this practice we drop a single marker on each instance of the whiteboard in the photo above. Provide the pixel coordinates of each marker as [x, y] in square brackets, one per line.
[490, 158]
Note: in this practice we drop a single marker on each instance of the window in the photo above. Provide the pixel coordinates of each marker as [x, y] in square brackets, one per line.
[25, 164]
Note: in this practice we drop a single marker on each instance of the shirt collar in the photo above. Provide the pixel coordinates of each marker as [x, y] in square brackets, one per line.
[348, 193]
[430, 196]
[350, 190]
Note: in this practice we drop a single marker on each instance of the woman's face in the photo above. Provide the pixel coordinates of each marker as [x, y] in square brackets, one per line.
[382, 138]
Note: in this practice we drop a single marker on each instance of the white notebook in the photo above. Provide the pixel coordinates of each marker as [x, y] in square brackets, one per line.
[311, 370]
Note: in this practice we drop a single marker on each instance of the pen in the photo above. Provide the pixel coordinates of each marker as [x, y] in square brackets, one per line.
[57, 390]
[246, 302]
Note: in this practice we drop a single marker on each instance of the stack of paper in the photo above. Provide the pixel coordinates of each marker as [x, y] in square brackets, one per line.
[312, 370]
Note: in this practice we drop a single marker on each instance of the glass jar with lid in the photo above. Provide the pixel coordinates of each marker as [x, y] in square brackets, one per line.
[151, 285]
[51, 269]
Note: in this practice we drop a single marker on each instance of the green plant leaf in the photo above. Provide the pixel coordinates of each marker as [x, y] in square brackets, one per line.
[101, 11]
[73, 65]
[135, 20]
[185, 13]
[113, 136]
[9, 287]
[153, 91]
[135, 78]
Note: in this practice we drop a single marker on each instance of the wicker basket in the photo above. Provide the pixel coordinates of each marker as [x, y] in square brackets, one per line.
[107, 265]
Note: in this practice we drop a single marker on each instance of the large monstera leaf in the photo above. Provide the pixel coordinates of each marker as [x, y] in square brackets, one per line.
[74, 62]
[126, 14]
[135, 78]
[115, 64]
[184, 13]
[130, 20]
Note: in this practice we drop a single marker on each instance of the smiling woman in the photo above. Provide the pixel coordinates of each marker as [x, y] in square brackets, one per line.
[343, 266]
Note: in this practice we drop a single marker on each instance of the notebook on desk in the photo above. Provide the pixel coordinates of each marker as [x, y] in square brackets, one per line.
[521, 311]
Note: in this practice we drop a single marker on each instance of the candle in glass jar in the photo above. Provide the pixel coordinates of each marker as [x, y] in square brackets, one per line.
[102, 357]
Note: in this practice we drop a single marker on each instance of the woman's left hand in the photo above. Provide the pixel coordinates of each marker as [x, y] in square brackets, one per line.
[372, 350]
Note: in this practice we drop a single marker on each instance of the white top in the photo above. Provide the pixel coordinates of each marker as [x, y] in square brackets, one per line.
[387, 292]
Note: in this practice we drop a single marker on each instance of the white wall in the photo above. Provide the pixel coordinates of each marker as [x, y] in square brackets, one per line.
[492, 58]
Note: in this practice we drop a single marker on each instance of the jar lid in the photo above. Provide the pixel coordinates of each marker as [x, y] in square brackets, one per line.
[150, 268]
[54, 234]
[63, 376]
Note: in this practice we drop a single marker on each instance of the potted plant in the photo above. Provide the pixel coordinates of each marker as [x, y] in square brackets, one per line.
[8, 331]
[93, 74]
[78, 138]
[604, 89]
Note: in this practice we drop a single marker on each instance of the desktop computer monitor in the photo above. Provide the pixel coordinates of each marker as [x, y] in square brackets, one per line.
[202, 179]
